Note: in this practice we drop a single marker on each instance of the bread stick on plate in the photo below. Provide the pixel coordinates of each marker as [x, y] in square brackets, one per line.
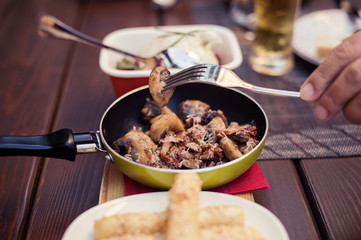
[221, 215]
[182, 211]
[129, 223]
[140, 236]
[231, 232]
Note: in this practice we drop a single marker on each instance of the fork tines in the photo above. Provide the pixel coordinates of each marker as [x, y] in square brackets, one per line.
[195, 73]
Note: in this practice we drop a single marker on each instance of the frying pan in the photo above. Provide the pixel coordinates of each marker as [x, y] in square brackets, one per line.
[125, 113]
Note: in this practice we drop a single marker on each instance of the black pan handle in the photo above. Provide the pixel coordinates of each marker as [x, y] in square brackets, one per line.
[60, 144]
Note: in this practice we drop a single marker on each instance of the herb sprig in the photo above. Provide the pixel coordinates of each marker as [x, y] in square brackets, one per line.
[182, 35]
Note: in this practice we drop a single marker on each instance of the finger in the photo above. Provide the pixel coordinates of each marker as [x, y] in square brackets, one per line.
[352, 111]
[346, 86]
[324, 75]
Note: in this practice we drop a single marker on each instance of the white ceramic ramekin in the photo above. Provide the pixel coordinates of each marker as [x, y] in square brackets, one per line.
[134, 40]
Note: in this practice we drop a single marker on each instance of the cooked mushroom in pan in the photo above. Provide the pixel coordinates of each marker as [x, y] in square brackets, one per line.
[196, 137]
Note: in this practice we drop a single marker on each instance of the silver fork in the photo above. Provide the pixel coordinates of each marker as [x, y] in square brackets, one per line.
[50, 26]
[221, 76]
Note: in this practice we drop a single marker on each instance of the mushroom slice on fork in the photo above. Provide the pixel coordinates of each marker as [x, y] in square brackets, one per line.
[157, 79]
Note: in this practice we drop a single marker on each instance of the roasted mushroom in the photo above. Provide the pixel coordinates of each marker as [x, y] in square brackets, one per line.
[191, 163]
[157, 79]
[164, 123]
[230, 148]
[210, 114]
[192, 109]
[241, 133]
[151, 110]
[216, 124]
[138, 145]
[215, 130]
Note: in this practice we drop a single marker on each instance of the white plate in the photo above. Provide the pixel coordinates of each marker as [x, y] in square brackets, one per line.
[333, 23]
[255, 215]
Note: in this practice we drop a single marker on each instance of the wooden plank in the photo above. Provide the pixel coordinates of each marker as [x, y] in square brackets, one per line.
[17, 182]
[30, 81]
[286, 199]
[112, 186]
[335, 190]
[248, 196]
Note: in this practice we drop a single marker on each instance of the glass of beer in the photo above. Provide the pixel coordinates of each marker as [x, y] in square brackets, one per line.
[271, 51]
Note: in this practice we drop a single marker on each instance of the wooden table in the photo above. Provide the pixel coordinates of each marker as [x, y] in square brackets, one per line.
[48, 84]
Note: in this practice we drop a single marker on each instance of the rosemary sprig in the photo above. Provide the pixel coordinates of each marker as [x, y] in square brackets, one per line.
[182, 35]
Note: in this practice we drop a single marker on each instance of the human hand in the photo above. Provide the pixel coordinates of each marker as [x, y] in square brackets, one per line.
[336, 84]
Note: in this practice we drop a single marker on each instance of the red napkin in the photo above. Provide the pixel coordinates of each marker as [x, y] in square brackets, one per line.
[252, 180]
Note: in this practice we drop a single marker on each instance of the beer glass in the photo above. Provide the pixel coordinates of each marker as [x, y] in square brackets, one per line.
[271, 51]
